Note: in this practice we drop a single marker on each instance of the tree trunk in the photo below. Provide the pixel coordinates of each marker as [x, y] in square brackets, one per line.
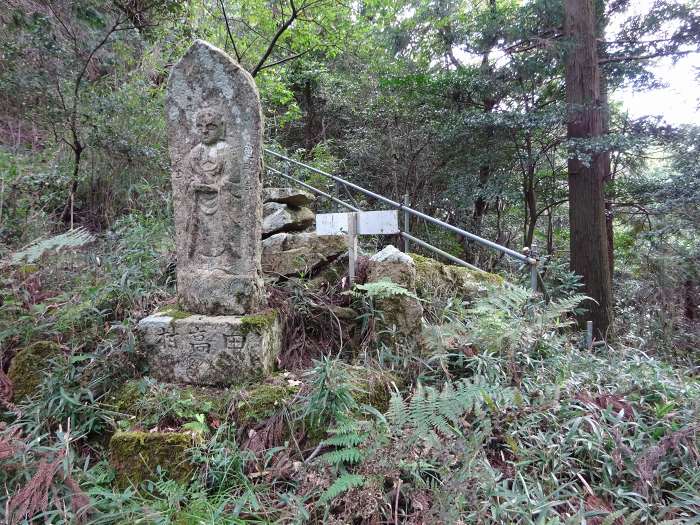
[530, 207]
[608, 176]
[589, 242]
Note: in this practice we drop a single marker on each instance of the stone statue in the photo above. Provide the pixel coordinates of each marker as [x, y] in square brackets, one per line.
[211, 165]
[217, 335]
[215, 131]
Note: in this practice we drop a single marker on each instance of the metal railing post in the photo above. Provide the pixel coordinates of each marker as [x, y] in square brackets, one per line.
[406, 223]
[533, 276]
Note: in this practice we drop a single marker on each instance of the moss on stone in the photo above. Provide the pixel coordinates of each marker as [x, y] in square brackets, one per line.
[371, 386]
[435, 278]
[175, 313]
[136, 456]
[259, 322]
[148, 403]
[27, 269]
[27, 368]
[260, 402]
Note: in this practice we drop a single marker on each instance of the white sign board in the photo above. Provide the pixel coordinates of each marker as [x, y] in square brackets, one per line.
[382, 222]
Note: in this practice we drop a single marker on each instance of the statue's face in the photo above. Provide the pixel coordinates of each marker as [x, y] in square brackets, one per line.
[209, 126]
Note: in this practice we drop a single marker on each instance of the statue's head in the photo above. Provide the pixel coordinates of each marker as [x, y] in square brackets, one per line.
[210, 125]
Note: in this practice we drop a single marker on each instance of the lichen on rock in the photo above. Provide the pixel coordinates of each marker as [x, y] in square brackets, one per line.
[174, 312]
[28, 366]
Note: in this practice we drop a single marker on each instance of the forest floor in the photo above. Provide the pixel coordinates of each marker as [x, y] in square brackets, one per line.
[501, 415]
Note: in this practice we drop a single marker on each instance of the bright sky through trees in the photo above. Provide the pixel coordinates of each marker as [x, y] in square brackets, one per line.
[678, 102]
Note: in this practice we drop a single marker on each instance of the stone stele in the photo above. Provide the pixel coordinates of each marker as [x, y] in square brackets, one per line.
[216, 336]
[215, 129]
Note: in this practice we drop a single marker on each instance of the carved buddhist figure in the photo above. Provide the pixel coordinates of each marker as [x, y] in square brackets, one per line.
[215, 138]
[211, 166]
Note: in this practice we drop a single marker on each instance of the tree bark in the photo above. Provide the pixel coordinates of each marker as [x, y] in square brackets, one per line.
[588, 239]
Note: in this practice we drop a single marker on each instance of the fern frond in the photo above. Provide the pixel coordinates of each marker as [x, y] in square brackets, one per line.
[431, 411]
[340, 485]
[345, 440]
[382, 289]
[397, 415]
[71, 239]
[613, 516]
[348, 455]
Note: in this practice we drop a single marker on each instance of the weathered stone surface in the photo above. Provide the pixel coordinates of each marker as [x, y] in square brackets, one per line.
[439, 282]
[215, 131]
[294, 253]
[291, 196]
[210, 350]
[142, 400]
[279, 217]
[402, 315]
[136, 456]
[392, 264]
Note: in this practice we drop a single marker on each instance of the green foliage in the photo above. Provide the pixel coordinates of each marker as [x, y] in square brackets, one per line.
[331, 393]
[69, 240]
[432, 411]
[512, 319]
[461, 105]
[344, 483]
[382, 289]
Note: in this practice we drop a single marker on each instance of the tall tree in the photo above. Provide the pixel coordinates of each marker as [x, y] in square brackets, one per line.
[587, 164]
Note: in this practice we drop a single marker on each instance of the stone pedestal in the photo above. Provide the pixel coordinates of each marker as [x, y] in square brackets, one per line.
[210, 350]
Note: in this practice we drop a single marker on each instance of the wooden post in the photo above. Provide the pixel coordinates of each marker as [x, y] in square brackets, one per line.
[352, 246]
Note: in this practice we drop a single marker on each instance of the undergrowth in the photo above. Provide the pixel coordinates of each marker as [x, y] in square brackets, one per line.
[507, 418]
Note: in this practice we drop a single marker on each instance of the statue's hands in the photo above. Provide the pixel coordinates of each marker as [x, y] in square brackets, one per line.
[205, 188]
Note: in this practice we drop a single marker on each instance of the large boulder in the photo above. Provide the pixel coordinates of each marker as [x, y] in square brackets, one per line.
[291, 196]
[279, 217]
[286, 254]
[437, 281]
[401, 322]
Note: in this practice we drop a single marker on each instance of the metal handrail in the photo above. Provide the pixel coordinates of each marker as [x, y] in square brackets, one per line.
[407, 209]
[310, 187]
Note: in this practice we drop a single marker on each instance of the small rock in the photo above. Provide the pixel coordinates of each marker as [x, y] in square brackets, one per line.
[278, 217]
[136, 456]
[393, 265]
[291, 196]
[28, 367]
[390, 254]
